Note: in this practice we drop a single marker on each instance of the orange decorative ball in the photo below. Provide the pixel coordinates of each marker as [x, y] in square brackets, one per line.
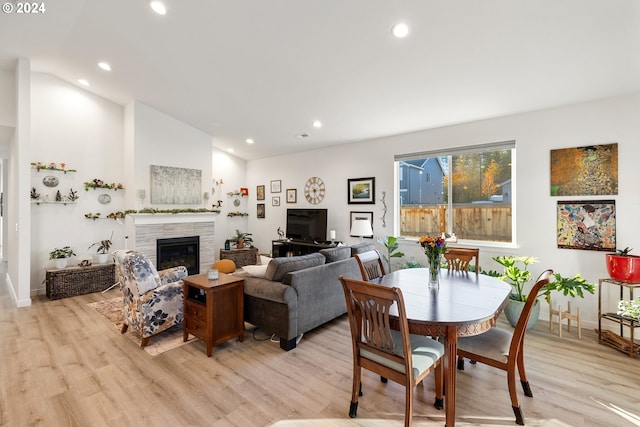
[225, 266]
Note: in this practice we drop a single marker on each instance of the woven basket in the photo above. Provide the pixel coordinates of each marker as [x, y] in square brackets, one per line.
[72, 281]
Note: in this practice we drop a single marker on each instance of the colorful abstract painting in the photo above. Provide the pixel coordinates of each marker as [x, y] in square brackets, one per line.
[589, 225]
[585, 171]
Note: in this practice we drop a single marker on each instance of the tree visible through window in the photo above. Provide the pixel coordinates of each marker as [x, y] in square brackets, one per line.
[469, 193]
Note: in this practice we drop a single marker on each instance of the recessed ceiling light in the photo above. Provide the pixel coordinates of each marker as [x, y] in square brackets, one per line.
[158, 7]
[83, 82]
[317, 124]
[400, 30]
[249, 141]
[105, 66]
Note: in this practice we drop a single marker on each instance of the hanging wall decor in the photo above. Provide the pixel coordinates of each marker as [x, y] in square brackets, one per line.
[171, 185]
[589, 225]
[585, 171]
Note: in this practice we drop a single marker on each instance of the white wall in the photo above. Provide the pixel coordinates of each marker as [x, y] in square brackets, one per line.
[599, 122]
[116, 144]
[84, 131]
[232, 171]
[7, 98]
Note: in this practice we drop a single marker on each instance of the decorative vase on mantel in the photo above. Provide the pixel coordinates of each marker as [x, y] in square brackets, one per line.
[434, 271]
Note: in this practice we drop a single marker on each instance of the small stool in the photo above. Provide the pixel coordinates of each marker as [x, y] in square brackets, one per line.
[566, 314]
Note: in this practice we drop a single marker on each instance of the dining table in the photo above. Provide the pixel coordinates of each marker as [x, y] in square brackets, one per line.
[464, 304]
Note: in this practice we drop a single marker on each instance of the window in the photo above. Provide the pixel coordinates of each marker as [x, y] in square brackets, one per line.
[468, 192]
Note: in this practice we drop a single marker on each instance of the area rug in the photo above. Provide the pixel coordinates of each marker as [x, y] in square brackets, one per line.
[167, 340]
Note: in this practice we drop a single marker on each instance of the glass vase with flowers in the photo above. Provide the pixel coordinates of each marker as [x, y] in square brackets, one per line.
[433, 248]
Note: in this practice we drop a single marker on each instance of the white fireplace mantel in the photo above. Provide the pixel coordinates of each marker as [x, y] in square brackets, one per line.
[147, 219]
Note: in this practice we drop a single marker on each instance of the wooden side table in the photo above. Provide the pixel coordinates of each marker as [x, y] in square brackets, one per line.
[241, 257]
[213, 309]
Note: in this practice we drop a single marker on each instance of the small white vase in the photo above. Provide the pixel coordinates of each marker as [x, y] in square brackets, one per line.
[103, 258]
[60, 262]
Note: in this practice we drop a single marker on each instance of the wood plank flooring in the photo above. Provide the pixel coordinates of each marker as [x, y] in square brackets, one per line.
[62, 364]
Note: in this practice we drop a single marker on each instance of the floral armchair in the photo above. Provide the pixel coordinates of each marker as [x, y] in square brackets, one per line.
[153, 299]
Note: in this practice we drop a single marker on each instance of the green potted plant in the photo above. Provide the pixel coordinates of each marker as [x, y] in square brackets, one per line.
[240, 240]
[629, 308]
[102, 249]
[516, 272]
[60, 256]
[391, 243]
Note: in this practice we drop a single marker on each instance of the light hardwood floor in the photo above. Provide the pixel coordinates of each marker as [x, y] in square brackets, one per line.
[62, 364]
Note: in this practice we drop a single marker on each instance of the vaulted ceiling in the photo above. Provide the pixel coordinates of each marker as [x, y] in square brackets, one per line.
[266, 69]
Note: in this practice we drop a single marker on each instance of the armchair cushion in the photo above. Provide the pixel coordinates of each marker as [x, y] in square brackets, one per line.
[144, 273]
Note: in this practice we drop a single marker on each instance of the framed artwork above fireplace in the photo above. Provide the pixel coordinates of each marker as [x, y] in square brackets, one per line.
[175, 186]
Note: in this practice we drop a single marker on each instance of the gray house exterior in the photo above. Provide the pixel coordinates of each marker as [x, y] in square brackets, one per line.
[421, 181]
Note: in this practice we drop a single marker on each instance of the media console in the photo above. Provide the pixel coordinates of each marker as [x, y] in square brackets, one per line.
[281, 248]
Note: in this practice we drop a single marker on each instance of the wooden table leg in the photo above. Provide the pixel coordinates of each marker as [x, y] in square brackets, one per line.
[450, 350]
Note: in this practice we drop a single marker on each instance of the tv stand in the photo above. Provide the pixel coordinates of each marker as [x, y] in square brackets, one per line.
[282, 248]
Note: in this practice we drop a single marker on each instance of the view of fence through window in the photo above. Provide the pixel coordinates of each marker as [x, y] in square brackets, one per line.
[466, 193]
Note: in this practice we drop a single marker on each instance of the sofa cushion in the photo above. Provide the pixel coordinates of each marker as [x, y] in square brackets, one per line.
[279, 267]
[336, 254]
[362, 247]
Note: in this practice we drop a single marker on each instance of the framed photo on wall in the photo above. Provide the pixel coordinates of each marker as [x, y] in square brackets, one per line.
[292, 195]
[260, 210]
[358, 216]
[361, 190]
[260, 192]
[276, 186]
[275, 201]
[588, 225]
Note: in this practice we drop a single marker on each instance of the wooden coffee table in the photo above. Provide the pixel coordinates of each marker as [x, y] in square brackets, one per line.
[213, 309]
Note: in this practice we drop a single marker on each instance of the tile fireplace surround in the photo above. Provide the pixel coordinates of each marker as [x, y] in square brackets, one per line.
[144, 229]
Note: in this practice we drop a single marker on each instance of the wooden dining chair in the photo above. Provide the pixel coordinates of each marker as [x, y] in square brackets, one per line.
[371, 265]
[458, 259]
[394, 354]
[504, 349]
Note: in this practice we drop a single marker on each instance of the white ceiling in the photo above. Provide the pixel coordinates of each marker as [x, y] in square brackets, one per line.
[266, 69]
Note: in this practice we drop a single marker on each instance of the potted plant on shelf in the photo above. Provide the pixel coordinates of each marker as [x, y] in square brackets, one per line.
[240, 240]
[623, 266]
[60, 256]
[102, 249]
[516, 272]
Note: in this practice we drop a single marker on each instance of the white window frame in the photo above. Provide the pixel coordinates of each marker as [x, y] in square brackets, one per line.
[511, 145]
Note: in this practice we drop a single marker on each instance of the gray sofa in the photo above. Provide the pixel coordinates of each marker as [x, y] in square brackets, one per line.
[300, 293]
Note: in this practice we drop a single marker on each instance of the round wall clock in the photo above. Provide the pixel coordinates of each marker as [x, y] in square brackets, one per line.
[314, 190]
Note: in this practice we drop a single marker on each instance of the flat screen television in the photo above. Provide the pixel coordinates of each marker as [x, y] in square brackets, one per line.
[307, 224]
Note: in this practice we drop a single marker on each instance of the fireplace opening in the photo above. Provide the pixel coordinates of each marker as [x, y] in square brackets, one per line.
[179, 251]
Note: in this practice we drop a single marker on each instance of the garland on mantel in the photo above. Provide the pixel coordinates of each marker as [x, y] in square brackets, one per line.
[120, 214]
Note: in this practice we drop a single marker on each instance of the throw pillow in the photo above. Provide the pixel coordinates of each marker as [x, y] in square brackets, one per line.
[256, 270]
[225, 266]
[264, 260]
[279, 267]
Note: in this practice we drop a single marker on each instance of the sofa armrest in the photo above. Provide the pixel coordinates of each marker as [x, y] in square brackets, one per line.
[269, 290]
[173, 274]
